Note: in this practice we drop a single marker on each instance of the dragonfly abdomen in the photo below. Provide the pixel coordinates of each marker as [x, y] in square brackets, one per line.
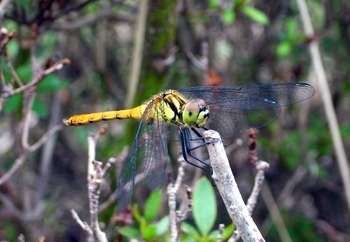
[84, 119]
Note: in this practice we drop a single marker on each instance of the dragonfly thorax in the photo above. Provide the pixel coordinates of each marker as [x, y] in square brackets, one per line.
[195, 113]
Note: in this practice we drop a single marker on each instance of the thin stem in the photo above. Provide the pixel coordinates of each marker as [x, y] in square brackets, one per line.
[137, 51]
[327, 100]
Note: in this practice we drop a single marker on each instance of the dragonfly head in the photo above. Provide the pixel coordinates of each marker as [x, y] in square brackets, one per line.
[196, 113]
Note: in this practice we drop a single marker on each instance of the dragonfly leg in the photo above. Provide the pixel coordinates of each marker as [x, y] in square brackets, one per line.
[200, 137]
[185, 137]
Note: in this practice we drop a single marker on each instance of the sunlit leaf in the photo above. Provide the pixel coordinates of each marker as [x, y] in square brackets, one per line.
[152, 205]
[256, 15]
[150, 232]
[291, 28]
[12, 48]
[228, 16]
[283, 49]
[228, 230]
[214, 234]
[204, 206]
[137, 214]
[189, 229]
[162, 226]
[129, 232]
[214, 4]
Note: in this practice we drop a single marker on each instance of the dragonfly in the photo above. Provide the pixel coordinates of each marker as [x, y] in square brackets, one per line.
[182, 115]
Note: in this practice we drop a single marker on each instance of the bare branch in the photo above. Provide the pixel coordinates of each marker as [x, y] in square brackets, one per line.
[275, 214]
[94, 187]
[3, 5]
[82, 224]
[111, 162]
[120, 159]
[228, 189]
[103, 14]
[327, 99]
[181, 215]
[172, 190]
[220, 234]
[71, 8]
[260, 167]
[201, 64]
[18, 163]
[137, 51]
[44, 138]
[29, 94]
[8, 204]
[21, 238]
[58, 65]
[5, 37]
[94, 179]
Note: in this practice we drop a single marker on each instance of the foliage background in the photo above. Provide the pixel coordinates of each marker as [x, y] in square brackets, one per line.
[255, 42]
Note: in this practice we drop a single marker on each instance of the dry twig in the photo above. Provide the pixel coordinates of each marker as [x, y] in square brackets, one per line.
[327, 100]
[172, 191]
[228, 189]
[94, 185]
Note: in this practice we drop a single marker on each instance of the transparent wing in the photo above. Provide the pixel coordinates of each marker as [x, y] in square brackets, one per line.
[283, 93]
[155, 155]
[235, 110]
[248, 114]
[149, 148]
[126, 180]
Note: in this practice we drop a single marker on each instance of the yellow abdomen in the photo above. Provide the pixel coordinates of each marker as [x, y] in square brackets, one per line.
[84, 119]
[164, 107]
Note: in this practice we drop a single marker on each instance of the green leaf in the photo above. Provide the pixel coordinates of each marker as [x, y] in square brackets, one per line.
[204, 206]
[189, 229]
[138, 217]
[129, 232]
[291, 28]
[10, 231]
[137, 214]
[228, 16]
[214, 4]
[345, 131]
[23, 3]
[12, 48]
[24, 72]
[49, 41]
[52, 83]
[13, 103]
[284, 49]
[162, 226]
[228, 230]
[40, 108]
[150, 232]
[322, 173]
[214, 234]
[256, 15]
[152, 205]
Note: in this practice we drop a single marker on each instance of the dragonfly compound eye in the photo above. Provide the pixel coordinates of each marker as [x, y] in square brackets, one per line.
[196, 113]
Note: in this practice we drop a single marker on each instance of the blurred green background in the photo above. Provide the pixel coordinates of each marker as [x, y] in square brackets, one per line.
[236, 43]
